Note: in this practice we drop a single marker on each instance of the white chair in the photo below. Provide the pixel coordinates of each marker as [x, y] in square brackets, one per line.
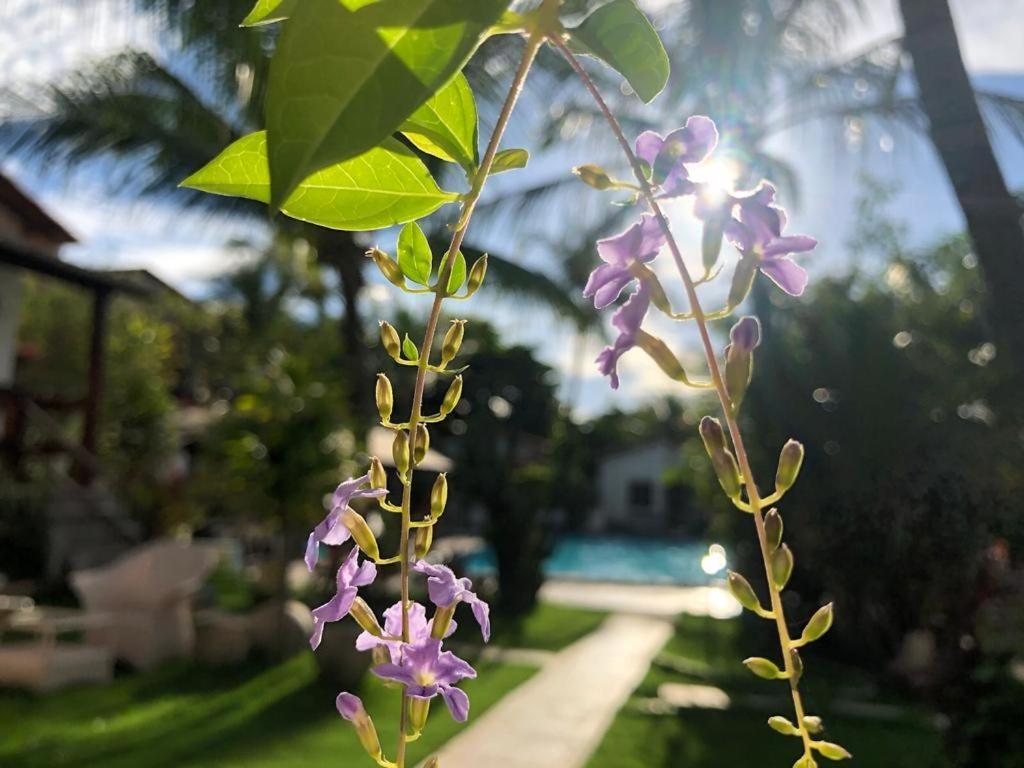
[147, 595]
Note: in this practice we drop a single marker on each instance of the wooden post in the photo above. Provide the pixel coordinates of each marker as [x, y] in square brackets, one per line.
[94, 393]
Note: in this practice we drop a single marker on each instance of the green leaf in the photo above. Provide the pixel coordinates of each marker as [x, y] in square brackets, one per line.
[622, 37]
[446, 125]
[414, 255]
[458, 275]
[347, 74]
[269, 11]
[509, 160]
[409, 349]
[386, 186]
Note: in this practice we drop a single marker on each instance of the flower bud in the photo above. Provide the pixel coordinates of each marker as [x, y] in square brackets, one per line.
[424, 540]
[773, 529]
[452, 396]
[378, 475]
[439, 496]
[790, 459]
[743, 592]
[721, 457]
[820, 623]
[385, 397]
[409, 349]
[452, 341]
[659, 352]
[746, 334]
[783, 726]
[351, 708]
[361, 533]
[813, 724]
[442, 620]
[798, 664]
[387, 266]
[390, 339]
[419, 709]
[400, 451]
[422, 443]
[806, 762]
[365, 617]
[476, 276]
[594, 176]
[763, 668]
[782, 566]
[739, 368]
[832, 751]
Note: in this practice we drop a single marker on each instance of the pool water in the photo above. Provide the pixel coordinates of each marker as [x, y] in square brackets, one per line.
[616, 559]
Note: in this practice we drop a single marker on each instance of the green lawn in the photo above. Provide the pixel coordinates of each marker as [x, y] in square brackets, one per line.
[189, 717]
[547, 628]
[252, 716]
[703, 652]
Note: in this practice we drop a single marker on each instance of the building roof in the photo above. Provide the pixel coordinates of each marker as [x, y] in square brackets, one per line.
[37, 225]
[37, 260]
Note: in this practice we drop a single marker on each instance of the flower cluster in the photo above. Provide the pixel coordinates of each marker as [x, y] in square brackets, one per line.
[411, 656]
[751, 221]
[754, 224]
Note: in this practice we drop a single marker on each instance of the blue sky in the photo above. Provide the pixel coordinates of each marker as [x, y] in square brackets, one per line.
[187, 249]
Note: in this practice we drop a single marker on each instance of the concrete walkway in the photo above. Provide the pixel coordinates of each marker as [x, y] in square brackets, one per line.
[557, 718]
[648, 600]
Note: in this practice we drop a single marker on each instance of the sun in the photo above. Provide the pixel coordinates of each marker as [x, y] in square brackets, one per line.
[719, 173]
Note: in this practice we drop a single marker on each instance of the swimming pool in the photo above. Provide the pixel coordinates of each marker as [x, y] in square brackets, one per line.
[618, 559]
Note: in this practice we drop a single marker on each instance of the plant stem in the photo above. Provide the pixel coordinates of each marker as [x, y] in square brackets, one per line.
[535, 41]
[716, 376]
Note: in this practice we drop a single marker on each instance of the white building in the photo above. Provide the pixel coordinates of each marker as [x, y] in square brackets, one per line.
[635, 494]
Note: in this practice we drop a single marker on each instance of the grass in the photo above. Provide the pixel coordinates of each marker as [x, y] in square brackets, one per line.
[189, 717]
[547, 628]
[709, 652]
[256, 716]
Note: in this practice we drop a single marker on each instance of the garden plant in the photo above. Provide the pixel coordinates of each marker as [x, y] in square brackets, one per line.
[357, 89]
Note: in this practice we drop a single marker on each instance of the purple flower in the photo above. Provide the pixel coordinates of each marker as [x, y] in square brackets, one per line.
[445, 590]
[419, 630]
[640, 243]
[746, 334]
[669, 156]
[425, 672]
[627, 321]
[351, 576]
[758, 233]
[331, 530]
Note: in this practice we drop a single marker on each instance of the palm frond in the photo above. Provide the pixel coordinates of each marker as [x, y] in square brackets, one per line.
[1003, 109]
[131, 109]
[513, 280]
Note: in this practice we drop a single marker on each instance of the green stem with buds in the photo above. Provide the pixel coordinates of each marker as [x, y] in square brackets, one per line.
[753, 497]
[534, 42]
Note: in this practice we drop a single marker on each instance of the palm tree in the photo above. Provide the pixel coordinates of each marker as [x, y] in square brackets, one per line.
[159, 122]
[961, 139]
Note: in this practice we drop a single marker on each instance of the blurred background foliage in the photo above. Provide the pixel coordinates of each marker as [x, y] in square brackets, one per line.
[899, 377]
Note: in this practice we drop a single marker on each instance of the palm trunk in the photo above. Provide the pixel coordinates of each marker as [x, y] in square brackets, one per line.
[958, 132]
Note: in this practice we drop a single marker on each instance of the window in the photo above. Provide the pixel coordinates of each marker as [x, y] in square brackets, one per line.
[640, 493]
